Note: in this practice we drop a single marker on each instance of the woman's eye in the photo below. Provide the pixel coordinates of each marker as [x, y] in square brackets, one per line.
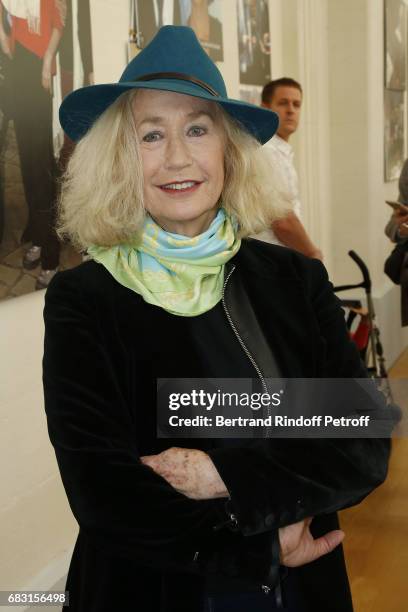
[197, 130]
[151, 137]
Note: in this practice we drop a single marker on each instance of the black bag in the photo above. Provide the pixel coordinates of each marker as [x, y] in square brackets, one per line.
[395, 261]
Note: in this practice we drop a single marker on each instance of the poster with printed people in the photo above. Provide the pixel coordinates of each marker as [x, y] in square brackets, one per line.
[394, 133]
[45, 52]
[204, 16]
[395, 44]
[254, 42]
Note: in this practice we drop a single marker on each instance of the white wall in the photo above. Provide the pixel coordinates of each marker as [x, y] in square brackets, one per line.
[356, 128]
[36, 526]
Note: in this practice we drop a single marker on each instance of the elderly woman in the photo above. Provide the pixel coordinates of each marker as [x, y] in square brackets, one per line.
[167, 179]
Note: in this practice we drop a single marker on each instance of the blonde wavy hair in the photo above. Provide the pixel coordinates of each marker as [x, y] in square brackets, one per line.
[101, 196]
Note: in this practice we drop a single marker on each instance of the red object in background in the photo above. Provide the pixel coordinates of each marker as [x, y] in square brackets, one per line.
[362, 333]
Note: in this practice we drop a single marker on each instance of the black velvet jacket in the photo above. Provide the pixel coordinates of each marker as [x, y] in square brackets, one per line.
[142, 545]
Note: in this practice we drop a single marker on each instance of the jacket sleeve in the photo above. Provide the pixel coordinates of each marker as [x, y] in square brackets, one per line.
[122, 506]
[278, 482]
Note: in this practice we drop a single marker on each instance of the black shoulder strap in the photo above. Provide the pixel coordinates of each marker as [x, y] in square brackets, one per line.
[247, 324]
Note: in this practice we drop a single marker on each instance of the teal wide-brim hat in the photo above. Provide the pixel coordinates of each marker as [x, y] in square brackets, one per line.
[173, 61]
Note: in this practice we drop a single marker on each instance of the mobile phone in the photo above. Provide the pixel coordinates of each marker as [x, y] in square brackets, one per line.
[401, 208]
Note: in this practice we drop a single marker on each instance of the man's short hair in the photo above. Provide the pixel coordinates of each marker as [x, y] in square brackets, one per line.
[270, 88]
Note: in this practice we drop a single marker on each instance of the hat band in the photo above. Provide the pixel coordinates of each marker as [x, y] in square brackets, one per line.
[179, 76]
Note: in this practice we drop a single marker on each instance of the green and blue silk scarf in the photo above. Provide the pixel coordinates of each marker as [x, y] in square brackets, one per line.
[183, 275]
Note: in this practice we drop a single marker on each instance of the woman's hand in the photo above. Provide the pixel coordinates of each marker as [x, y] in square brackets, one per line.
[298, 546]
[192, 473]
[189, 471]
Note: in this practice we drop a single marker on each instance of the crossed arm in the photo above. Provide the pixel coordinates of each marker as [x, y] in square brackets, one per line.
[192, 473]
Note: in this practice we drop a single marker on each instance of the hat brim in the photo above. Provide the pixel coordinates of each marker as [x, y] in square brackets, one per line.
[80, 109]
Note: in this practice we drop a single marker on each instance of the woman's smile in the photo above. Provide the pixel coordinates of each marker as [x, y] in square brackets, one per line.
[180, 188]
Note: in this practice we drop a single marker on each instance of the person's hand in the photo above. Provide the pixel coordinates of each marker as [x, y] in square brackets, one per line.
[298, 546]
[46, 76]
[402, 222]
[399, 214]
[5, 44]
[189, 471]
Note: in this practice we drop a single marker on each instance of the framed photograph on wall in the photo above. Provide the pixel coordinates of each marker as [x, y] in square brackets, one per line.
[395, 44]
[254, 42]
[34, 151]
[394, 133]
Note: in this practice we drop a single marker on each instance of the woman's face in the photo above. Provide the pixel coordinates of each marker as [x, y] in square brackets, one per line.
[182, 151]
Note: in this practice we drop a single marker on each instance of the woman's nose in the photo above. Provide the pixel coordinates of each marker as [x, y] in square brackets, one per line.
[177, 152]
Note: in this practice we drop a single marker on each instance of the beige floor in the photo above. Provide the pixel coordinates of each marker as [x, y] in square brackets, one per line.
[376, 543]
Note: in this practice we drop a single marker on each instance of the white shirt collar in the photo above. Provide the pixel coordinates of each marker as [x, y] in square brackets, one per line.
[282, 145]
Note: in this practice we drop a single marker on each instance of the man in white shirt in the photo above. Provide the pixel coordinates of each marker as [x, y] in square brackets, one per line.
[284, 96]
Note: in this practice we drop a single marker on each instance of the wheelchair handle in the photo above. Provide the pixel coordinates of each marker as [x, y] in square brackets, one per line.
[364, 270]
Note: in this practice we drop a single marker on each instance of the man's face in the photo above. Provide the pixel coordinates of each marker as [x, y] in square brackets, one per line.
[287, 102]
